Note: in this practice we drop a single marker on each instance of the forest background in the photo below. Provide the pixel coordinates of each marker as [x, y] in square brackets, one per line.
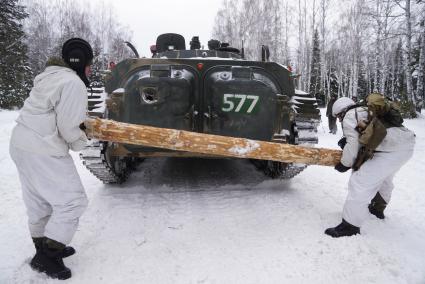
[338, 47]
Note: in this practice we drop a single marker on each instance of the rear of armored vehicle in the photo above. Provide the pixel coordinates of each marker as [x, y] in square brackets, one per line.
[206, 91]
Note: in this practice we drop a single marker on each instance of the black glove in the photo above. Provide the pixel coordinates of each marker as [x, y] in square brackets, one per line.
[83, 127]
[341, 168]
[342, 142]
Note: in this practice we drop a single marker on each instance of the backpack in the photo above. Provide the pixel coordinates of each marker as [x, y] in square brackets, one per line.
[385, 110]
[382, 114]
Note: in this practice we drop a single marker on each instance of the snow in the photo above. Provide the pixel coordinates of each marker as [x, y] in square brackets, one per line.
[300, 92]
[221, 221]
[295, 101]
[303, 98]
[119, 91]
[100, 98]
[284, 66]
[249, 147]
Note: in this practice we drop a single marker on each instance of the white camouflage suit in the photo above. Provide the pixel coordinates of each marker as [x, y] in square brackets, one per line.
[47, 127]
[376, 174]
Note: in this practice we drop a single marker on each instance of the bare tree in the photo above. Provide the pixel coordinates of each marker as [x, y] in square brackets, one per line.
[408, 51]
[52, 22]
[286, 40]
[324, 5]
[40, 35]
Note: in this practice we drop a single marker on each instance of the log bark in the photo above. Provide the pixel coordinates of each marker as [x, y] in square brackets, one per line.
[214, 145]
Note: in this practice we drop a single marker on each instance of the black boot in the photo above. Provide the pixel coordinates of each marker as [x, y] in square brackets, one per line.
[67, 251]
[377, 206]
[48, 259]
[344, 229]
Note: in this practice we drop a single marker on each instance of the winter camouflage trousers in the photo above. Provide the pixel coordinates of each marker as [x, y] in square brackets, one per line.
[52, 192]
[375, 175]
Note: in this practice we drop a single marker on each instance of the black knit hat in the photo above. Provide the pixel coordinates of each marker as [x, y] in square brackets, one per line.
[78, 54]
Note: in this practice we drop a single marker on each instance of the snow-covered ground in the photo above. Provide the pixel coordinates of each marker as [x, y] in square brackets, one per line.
[220, 221]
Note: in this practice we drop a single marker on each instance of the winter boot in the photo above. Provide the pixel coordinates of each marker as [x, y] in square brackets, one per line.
[48, 259]
[377, 206]
[67, 251]
[344, 229]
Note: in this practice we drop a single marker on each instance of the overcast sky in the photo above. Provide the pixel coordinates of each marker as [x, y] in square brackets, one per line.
[148, 19]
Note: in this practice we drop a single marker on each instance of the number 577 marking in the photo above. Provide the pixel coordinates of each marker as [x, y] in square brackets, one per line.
[244, 100]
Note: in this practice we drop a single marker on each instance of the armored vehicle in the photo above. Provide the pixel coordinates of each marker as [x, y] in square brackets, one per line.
[213, 91]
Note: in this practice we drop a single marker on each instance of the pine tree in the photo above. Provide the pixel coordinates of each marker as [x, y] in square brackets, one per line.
[98, 66]
[362, 82]
[333, 82]
[15, 74]
[407, 107]
[399, 78]
[315, 66]
[421, 68]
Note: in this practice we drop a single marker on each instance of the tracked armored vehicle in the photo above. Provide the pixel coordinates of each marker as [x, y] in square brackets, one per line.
[213, 91]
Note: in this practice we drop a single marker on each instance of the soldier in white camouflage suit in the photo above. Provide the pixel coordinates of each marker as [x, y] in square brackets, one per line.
[370, 187]
[47, 128]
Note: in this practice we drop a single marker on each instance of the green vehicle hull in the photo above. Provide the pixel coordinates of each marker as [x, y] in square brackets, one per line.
[205, 91]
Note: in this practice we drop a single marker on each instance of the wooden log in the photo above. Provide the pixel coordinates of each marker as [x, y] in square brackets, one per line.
[179, 140]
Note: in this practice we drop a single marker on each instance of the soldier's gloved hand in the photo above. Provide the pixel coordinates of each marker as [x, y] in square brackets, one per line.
[83, 127]
[341, 168]
[342, 142]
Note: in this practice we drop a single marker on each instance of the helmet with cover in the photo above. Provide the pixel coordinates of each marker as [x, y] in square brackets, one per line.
[341, 105]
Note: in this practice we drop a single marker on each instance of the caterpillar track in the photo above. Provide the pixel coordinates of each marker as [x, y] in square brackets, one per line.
[307, 118]
[95, 156]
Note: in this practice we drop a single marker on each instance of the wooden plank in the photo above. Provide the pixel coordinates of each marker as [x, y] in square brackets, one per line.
[215, 145]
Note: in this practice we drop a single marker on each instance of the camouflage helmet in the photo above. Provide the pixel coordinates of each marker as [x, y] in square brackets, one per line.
[377, 103]
[341, 105]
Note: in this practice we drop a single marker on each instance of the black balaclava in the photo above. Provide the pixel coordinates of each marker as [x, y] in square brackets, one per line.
[78, 54]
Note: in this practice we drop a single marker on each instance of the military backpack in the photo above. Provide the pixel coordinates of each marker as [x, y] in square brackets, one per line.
[382, 114]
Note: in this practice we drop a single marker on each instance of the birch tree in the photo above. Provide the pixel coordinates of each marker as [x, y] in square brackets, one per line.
[324, 5]
[421, 63]
[408, 49]
[365, 45]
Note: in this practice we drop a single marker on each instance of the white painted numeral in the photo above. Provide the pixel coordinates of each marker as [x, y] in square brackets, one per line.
[253, 104]
[241, 102]
[229, 104]
[227, 101]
